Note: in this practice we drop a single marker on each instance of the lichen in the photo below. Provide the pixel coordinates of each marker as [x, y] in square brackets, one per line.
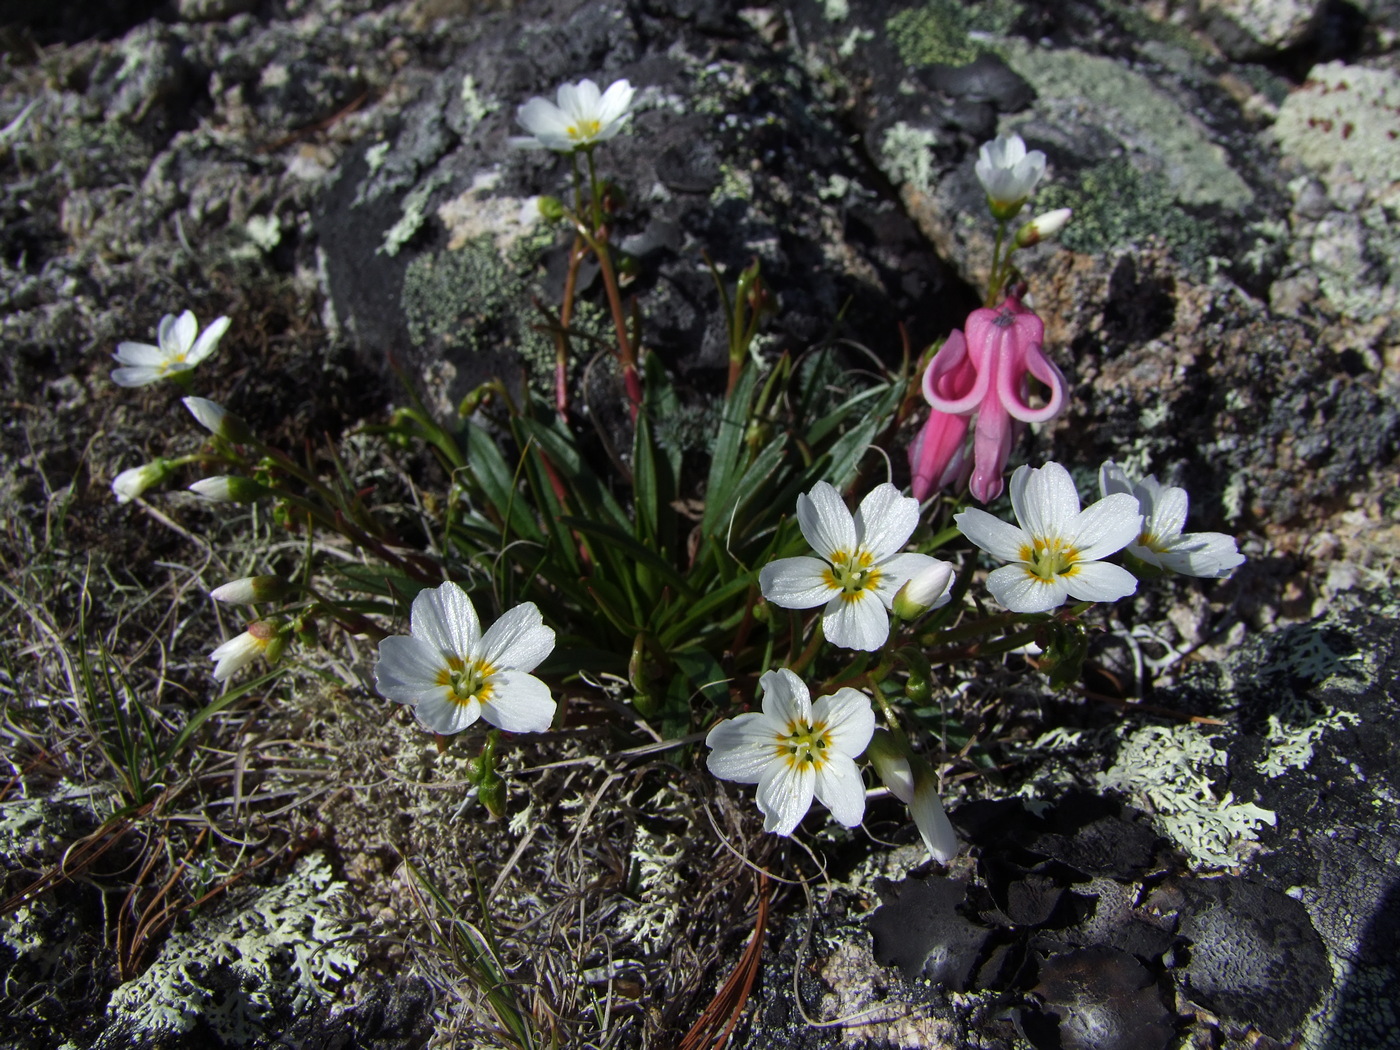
[1169, 772]
[655, 860]
[1293, 734]
[1149, 122]
[234, 968]
[908, 155]
[1345, 115]
[474, 107]
[415, 212]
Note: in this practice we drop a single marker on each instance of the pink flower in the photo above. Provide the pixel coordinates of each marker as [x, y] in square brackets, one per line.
[986, 372]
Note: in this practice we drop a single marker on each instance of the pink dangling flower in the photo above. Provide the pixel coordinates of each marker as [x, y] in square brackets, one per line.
[984, 372]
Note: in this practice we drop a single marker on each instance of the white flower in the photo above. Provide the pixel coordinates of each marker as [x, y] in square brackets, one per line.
[130, 483]
[229, 488]
[860, 568]
[795, 749]
[453, 674]
[1055, 554]
[240, 651]
[583, 117]
[1008, 173]
[179, 350]
[1162, 542]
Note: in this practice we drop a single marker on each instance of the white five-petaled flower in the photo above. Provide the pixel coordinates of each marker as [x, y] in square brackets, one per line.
[1008, 172]
[859, 570]
[795, 749]
[1161, 542]
[182, 346]
[454, 674]
[583, 116]
[1055, 553]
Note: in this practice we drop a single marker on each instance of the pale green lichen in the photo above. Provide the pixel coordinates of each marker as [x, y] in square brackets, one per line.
[475, 107]
[376, 155]
[234, 968]
[1303, 653]
[1169, 772]
[1148, 121]
[659, 889]
[1293, 734]
[908, 155]
[836, 10]
[415, 213]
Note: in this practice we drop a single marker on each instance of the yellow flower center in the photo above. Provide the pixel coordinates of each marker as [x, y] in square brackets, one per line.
[803, 744]
[467, 682]
[584, 130]
[851, 574]
[1049, 558]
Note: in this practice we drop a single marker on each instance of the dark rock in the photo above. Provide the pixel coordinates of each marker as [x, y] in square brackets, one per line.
[1104, 1000]
[919, 929]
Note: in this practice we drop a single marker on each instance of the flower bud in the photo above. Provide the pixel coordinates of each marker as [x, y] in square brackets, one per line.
[912, 781]
[130, 483]
[1042, 227]
[250, 590]
[930, 589]
[551, 208]
[891, 764]
[229, 488]
[218, 420]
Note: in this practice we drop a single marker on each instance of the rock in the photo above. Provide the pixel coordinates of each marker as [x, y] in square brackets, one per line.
[1254, 28]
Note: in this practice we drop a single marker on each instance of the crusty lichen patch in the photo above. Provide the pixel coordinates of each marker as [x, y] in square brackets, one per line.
[1345, 115]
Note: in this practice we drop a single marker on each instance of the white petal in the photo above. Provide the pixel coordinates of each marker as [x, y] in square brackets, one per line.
[897, 571]
[825, 521]
[180, 335]
[1166, 515]
[136, 376]
[840, 789]
[785, 699]
[796, 583]
[1099, 581]
[588, 98]
[1113, 479]
[857, 621]
[1104, 527]
[785, 795]
[207, 341]
[934, 827]
[408, 668]
[1023, 591]
[742, 748]
[1045, 501]
[849, 718]
[1210, 554]
[539, 116]
[885, 521]
[615, 101]
[140, 354]
[444, 617]
[445, 716]
[519, 703]
[165, 334]
[998, 538]
[518, 640]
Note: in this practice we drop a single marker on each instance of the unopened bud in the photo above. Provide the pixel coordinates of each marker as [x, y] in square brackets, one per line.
[551, 208]
[229, 488]
[912, 781]
[131, 483]
[929, 589]
[249, 590]
[218, 420]
[1042, 227]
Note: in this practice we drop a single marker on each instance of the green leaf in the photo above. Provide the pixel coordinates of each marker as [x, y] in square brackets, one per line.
[494, 475]
[729, 449]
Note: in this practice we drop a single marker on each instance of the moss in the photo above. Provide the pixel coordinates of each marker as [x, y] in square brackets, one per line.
[936, 33]
[474, 299]
[1116, 205]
